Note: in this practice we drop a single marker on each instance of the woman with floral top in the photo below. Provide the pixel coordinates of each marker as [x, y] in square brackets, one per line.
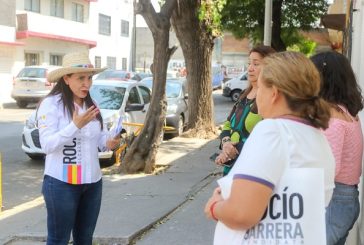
[243, 116]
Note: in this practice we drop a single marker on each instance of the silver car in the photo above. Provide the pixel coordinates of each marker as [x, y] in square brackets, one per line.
[31, 84]
[177, 104]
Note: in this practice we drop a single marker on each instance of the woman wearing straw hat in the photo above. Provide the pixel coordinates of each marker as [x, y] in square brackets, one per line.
[70, 132]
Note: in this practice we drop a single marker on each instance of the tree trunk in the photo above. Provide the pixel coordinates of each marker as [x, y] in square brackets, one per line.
[197, 46]
[277, 42]
[141, 154]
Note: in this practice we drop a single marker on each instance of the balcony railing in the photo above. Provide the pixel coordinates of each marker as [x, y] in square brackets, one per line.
[37, 25]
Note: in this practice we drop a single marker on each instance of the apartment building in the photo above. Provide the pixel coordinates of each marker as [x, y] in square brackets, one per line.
[8, 46]
[40, 32]
[112, 21]
[51, 28]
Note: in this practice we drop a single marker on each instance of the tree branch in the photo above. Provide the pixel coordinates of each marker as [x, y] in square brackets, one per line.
[171, 51]
[151, 17]
[146, 9]
[168, 8]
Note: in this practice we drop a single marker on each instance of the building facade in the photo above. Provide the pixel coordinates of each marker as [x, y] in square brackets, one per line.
[357, 61]
[41, 32]
[350, 40]
[112, 23]
[8, 46]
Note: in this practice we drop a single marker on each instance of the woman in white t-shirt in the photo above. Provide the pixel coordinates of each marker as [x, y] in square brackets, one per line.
[289, 137]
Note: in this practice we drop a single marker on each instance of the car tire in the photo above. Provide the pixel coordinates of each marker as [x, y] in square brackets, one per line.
[112, 160]
[108, 162]
[235, 94]
[21, 103]
[180, 126]
[35, 156]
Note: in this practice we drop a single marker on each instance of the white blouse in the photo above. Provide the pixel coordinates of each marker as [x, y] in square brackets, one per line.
[71, 153]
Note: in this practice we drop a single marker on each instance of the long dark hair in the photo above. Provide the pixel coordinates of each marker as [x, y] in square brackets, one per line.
[67, 98]
[338, 82]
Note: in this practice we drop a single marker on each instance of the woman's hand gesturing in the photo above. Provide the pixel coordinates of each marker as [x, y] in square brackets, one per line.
[81, 120]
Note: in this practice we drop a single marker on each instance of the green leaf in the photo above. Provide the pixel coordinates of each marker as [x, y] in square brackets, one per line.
[245, 18]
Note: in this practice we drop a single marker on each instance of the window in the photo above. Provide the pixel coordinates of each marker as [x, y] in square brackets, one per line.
[97, 62]
[145, 94]
[32, 5]
[133, 96]
[104, 24]
[55, 60]
[108, 97]
[124, 28]
[31, 59]
[33, 72]
[77, 12]
[111, 62]
[57, 8]
[123, 63]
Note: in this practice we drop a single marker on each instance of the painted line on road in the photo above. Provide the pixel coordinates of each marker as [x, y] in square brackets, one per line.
[21, 208]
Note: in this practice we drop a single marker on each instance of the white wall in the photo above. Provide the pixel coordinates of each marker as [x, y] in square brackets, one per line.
[45, 8]
[7, 54]
[357, 61]
[7, 34]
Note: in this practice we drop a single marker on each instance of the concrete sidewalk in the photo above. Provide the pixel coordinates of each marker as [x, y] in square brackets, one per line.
[131, 203]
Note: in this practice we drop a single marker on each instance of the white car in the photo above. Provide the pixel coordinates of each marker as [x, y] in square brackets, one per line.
[126, 99]
[31, 84]
[233, 87]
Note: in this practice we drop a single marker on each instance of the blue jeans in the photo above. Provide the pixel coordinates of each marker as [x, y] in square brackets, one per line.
[341, 213]
[71, 208]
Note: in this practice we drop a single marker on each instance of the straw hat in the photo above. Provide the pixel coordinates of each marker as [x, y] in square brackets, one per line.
[73, 63]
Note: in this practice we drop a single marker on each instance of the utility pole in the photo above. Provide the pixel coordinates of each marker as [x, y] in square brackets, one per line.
[133, 40]
[268, 23]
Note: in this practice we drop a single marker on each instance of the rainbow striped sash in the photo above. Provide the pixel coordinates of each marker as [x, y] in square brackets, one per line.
[72, 173]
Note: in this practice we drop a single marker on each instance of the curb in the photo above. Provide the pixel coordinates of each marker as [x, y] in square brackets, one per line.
[204, 180]
[195, 190]
[37, 239]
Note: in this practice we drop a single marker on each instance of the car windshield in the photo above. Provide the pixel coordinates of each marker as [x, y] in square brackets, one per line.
[115, 75]
[141, 75]
[33, 72]
[148, 82]
[108, 97]
[173, 89]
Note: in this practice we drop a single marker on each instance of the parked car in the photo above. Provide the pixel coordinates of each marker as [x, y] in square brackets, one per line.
[217, 76]
[141, 75]
[233, 87]
[120, 75]
[177, 103]
[128, 99]
[31, 84]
